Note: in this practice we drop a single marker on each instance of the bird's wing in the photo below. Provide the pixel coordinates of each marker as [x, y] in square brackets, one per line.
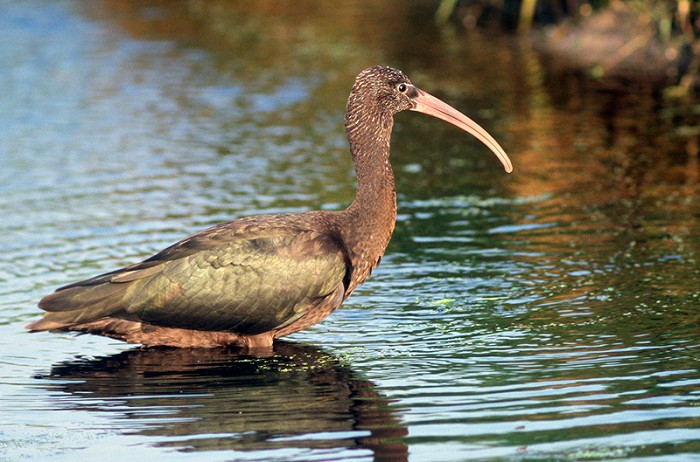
[217, 280]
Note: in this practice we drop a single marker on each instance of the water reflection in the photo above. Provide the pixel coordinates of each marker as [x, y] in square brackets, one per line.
[199, 400]
[550, 314]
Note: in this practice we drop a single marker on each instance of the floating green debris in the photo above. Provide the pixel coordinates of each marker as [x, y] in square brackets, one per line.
[441, 302]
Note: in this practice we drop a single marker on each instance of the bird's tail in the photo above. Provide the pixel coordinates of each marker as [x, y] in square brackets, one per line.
[78, 304]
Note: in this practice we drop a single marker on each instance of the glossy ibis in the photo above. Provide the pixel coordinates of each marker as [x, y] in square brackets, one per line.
[249, 281]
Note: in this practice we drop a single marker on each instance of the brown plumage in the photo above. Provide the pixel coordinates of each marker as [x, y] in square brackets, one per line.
[251, 280]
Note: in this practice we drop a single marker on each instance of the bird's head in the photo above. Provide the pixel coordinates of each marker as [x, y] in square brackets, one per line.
[382, 89]
[380, 92]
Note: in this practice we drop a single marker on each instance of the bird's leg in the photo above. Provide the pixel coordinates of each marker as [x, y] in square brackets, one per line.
[258, 344]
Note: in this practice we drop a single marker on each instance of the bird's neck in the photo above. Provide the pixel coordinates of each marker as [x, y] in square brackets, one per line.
[374, 205]
[372, 215]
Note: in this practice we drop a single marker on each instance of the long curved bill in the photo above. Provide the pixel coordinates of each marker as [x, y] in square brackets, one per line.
[428, 104]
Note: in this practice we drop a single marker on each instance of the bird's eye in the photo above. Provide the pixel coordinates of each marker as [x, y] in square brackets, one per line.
[402, 87]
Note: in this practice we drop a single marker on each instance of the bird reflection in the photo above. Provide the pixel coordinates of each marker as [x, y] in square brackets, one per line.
[202, 400]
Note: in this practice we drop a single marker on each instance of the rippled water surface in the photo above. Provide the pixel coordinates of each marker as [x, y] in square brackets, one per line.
[551, 314]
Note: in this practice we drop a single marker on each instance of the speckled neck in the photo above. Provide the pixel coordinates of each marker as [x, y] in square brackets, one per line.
[371, 217]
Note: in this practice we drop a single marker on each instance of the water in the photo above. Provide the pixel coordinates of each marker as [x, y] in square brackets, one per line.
[551, 314]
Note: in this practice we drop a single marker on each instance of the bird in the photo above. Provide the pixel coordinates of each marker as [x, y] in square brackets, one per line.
[246, 282]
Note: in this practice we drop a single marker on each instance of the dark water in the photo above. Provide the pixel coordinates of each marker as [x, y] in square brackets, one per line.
[551, 314]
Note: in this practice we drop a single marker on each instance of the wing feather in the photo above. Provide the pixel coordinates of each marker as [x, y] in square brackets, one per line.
[242, 282]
